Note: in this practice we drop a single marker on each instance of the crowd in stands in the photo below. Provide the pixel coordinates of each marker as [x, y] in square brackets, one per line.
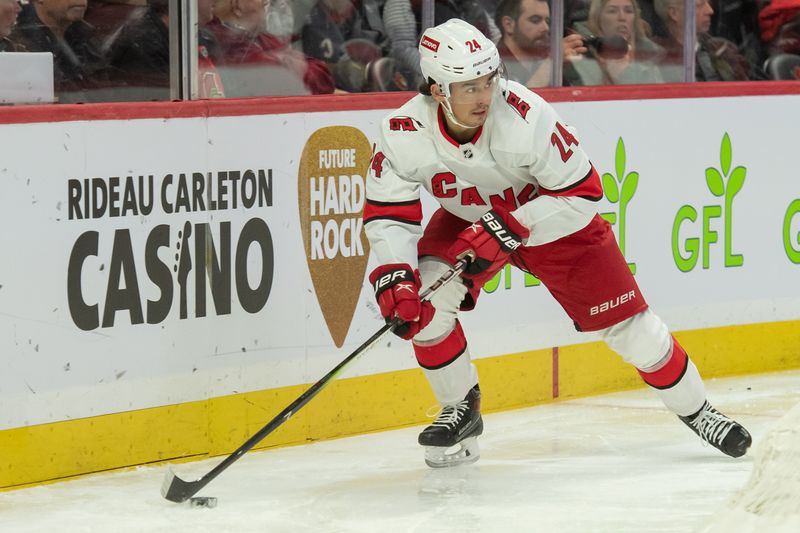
[9, 11]
[119, 50]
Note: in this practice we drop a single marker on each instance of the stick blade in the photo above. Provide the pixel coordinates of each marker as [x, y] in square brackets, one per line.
[177, 490]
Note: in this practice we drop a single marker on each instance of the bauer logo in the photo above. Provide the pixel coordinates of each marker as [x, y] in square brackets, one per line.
[331, 193]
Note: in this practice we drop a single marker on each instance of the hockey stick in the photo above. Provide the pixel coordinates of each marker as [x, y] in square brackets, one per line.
[177, 490]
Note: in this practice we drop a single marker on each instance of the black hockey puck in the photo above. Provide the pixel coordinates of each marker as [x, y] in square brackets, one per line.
[203, 501]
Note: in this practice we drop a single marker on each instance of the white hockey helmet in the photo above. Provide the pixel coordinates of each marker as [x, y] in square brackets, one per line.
[456, 51]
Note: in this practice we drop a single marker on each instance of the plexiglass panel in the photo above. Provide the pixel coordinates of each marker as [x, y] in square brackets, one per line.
[137, 50]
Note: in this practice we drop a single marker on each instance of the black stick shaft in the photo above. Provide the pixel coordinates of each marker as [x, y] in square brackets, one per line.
[178, 490]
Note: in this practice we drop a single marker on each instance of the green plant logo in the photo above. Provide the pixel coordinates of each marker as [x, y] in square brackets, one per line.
[620, 189]
[724, 183]
[791, 252]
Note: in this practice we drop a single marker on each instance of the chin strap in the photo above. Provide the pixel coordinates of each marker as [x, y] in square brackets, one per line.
[451, 116]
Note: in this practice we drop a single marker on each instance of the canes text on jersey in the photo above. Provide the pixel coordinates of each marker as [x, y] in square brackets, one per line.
[444, 185]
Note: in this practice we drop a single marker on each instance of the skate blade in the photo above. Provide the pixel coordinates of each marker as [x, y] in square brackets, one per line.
[464, 453]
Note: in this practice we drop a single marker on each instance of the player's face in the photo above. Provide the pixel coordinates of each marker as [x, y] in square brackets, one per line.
[470, 100]
[617, 18]
[532, 28]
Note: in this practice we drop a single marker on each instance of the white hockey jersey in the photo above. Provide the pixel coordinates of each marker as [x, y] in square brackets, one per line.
[524, 158]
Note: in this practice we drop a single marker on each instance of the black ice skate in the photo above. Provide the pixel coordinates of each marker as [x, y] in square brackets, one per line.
[726, 435]
[458, 424]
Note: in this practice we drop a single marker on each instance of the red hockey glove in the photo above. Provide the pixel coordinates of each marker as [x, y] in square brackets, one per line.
[397, 291]
[488, 242]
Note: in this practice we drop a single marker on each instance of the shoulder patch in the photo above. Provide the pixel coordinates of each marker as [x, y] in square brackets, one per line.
[404, 124]
[518, 104]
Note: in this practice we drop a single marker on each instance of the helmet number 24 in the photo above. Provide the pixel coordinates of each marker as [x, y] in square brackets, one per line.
[473, 46]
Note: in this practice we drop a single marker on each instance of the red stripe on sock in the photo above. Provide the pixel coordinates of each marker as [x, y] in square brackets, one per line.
[442, 353]
[672, 372]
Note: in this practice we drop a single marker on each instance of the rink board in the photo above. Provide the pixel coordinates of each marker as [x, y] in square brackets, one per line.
[217, 426]
[135, 332]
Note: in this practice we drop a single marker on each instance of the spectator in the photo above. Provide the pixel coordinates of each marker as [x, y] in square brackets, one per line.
[403, 22]
[737, 21]
[9, 9]
[649, 15]
[255, 63]
[622, 52]
[108, 16]
[779, 23]
[525, 43]
[347, 35]
[57, 26]
[575, 11]
[716, 59]
[209, 81]
[281, 20]
[139, 55]
[139, 52]
[787, 41]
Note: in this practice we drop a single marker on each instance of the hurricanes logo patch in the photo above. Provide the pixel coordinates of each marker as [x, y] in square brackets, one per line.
[521, 106]
[403, 124]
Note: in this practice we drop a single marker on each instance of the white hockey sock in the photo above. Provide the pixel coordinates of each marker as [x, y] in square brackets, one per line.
[688, 395]
[451, 383]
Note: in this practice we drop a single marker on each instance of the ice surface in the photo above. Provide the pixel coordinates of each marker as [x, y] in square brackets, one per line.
[613, 463]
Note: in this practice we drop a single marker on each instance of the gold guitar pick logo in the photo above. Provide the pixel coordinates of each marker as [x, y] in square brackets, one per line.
[331, 190]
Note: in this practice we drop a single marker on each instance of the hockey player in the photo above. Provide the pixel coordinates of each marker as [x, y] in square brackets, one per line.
[514, 185]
